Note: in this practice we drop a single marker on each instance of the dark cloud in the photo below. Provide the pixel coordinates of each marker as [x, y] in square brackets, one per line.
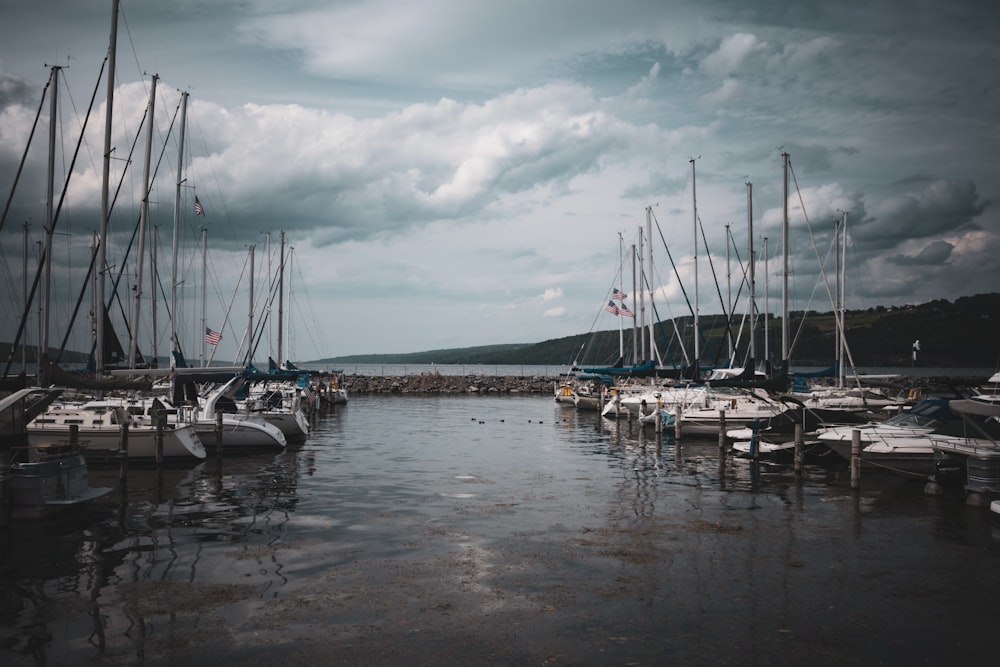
[936, 253]
[15, 90]
[940, 208]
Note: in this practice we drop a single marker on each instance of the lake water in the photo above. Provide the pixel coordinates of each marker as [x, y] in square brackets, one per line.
[500, 530]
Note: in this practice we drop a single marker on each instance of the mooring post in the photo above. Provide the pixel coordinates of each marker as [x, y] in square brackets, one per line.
[5, 490]
[799, 447]
[218, 433]
[678, 418]
[722, 431]
[161, 418]
[123, 452]
[754, 444]
[855, 458]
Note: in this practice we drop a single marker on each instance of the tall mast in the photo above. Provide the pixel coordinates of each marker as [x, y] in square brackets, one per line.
[24, 296]
[728, 311]
[270, 298]
[154, 242]
[767, 329]
[652, 282]
[143, 222]
[174, 341]
[641, 324]
[697, 330]
[250, 321]
[753, 281]
[281, 293]
[204, 281]
[635, 333]
[842, 290]
[621, 325]
[102, 260]
[43, 344]
[784, 255]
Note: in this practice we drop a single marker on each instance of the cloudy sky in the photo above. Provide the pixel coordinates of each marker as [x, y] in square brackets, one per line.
[451, 173]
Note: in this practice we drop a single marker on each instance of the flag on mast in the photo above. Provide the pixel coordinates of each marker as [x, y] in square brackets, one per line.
[612, 308]
[618, 294]
[198, 208]
[212, 337]
[625, 311]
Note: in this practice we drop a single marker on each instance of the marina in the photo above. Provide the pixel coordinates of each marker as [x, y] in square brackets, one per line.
[500, 529]
[712, 477]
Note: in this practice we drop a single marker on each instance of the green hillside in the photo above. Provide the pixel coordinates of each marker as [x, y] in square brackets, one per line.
[961, 334]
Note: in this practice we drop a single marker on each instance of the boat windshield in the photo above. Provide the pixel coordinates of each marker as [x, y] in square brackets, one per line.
[923, 414]
[909, 420]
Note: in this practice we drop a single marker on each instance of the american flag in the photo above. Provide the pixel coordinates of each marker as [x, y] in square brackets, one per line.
[212, 337]
[625, 311]
[618, 294]
[198, 208]
[612, 308]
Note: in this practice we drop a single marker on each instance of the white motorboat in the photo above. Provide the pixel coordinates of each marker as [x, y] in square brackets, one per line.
[899, 444]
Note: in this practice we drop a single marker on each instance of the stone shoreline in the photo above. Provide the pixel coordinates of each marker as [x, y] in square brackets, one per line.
[431, 383]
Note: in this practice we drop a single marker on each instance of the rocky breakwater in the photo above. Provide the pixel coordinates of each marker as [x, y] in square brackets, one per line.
[431, 383]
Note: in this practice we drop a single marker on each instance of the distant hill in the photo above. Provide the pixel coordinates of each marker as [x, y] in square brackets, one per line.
[961, 334]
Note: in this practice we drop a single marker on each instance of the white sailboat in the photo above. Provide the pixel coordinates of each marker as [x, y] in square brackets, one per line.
[100, 426]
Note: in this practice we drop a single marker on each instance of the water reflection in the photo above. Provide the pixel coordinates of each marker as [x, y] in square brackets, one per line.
[121, 569]
[402, 514]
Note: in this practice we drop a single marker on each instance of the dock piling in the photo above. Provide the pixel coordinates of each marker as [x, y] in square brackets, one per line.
[855, 459]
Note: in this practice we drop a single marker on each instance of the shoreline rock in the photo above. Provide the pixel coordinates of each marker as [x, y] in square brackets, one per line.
[429, 383]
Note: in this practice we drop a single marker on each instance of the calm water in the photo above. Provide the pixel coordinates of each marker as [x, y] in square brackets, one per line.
[506, 531]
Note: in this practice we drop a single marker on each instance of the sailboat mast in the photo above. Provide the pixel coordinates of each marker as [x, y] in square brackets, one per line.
[281, 293]
[728, 311]
[102, 259]
[253, 248]
[621, 324]
[697, 330]
[842, 289]
[767, 306]
[641, 325]
[270, 297]
[24, 296]
[43, 344]
[154, 353]
[784, 255]
[143, 222]
[635, 333]
[204, 281]
[174, 342]
[753, 280]
[652, 282]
